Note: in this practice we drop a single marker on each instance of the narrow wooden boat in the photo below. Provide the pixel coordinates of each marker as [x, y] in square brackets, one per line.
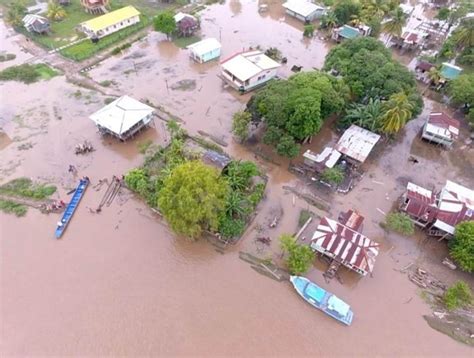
[76, 198]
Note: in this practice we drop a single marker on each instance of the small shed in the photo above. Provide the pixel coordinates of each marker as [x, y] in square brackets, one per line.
[345, 245]
[450, 72]
[186, 24]
[441, 128]
[215, 159]
[321, 161]
[356, 144]
[205, 50]
[123, 117]
[304, 10]
[36, 23]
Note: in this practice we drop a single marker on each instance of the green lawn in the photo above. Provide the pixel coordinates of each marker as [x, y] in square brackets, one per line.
[185, 41]
[86, 49]
[27, 73]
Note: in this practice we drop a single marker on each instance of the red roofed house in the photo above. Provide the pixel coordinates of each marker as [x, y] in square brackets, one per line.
[440, 212]
[441, 128]
[344, 244]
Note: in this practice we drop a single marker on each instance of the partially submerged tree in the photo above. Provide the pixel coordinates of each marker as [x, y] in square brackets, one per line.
[308, 30]
[300, 257]
[165, 23]
[240, 125]
[458, 295]
[192, 198]
[461, 90]
[333, 175]
[461, 247]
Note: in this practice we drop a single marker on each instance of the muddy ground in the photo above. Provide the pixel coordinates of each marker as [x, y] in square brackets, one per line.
[121, 283]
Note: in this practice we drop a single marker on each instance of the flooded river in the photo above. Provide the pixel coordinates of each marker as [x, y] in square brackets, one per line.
[120, 283]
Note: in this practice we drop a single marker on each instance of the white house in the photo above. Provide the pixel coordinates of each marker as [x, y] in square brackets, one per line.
[205, 50]
[247, 70]
[111, 22]
[441, 128]
[304, 10]
[123, 117]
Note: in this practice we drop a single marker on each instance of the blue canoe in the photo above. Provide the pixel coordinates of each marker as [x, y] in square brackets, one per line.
[323, 300]
[76, 198]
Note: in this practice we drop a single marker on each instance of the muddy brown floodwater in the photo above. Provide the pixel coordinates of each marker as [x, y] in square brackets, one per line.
[119, 283]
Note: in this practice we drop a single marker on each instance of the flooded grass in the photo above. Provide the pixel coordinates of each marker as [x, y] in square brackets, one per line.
[24, 187]
[183, 42]
[27, 73]
[10, 207]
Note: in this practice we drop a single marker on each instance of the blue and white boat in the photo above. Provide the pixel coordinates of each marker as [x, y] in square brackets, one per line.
[76, 198]
[322, 299]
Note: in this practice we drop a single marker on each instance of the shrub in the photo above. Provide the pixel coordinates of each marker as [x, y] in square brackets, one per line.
[25, 73]
[299, 257]
[230, 227]
[333, 175]
[458, 295]
[10, 207]
[461, 247]
[308, 30]
[400, 223]
[240, 125]
[24, 187]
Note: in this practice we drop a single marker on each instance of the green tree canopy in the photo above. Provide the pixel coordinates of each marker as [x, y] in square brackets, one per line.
[462, 89]
[16, 12]
[369, 70]
[165, 23]
[346, 10]
[464, 34]
[296, 108]
[458, 295]
[240, 125]
[461, 247]
[192, 198]
[300, 257]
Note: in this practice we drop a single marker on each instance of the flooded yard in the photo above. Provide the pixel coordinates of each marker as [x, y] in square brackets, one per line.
[120, 283]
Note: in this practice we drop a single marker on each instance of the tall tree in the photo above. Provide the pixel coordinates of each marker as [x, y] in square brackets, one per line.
[344, 10]
[462, 90]
[192, 198]
[394, 25]
[55, 11]
[461, 247]
[165, 23]
[398, 110]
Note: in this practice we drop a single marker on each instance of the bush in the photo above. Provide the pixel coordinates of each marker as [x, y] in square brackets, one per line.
[333, 175]
[240, 125]
[400, 223]
[27, 73]
[299, 257]
[461, 247]
[24, 187]
[458, 295]
[308, 30]
[137, 180]
[230, 227]
[10, 207]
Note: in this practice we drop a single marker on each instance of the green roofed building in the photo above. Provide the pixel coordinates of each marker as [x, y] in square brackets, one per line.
[450, 72]
[347, 32]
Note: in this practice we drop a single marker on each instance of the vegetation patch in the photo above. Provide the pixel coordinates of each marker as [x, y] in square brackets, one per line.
[333, 175]
[183, 42]
[458, 295]
[143, 146]
[461, 247]
[400, 223]
[192, 196]
[24, 187]
[27, 73]
[10, 207]
[7, 57]
[304, 217]
[299, 257]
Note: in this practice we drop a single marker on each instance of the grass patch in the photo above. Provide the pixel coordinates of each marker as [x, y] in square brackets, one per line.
[27, 73]
[143, 146]
[304, 216]
[10, 207]
[24, 187]
[399, 223]
[86, 49]
[183, 42]
[7, 57]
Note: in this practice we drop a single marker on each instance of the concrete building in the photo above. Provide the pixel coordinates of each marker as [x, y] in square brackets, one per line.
[304, 10]
[123, 117]
[205, 50]
[112, 22]
[248, 70]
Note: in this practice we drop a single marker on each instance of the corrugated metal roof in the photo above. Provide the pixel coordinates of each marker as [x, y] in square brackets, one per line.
[30, 19]
[441, 124]
[302, 7]
[248, 64]
[205, 46]
[112, 18]
[357, 143]
[180, 16]
[346, 245]
[121, 115]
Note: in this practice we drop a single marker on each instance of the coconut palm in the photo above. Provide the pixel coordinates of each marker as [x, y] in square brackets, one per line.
[394, 25]
[398, 110]
[55, 11]
[464, 35]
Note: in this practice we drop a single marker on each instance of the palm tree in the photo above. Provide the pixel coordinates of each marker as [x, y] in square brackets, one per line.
[464, 35]
[374, 9]
[55, 11]
[365, 115]
[394, 25]
[398, 110]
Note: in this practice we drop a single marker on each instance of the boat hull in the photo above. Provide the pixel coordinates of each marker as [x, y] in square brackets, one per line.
[71, 208]
[322, 300]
